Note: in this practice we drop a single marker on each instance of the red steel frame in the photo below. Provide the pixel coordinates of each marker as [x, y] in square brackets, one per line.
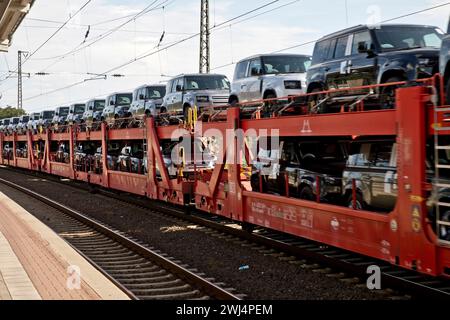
[403, 237]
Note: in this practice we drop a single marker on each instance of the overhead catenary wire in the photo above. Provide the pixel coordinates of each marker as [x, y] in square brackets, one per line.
[103, 36]
[57, 31]
[80, 47]
[223, 23]
[145, 55]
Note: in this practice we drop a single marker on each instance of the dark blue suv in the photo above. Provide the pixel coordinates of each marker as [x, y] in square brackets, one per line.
[365, 55]
[445, 63]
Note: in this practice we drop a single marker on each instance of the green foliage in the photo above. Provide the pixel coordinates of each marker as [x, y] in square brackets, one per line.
[10, 112]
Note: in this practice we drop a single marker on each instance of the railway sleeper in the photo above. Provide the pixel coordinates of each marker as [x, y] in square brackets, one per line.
[148, 278]
[122, 261]
[143, 285]
[127, 265]
[176, 296]
[158, 291]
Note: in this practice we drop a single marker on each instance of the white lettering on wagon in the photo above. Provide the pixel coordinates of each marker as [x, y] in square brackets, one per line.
[288, 213]
[306, 127]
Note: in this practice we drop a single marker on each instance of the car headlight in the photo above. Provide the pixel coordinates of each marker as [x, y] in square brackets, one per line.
[293, 84]
[202, 99]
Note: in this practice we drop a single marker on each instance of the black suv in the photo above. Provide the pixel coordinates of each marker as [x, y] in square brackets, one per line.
[445, 63]
[363, 55]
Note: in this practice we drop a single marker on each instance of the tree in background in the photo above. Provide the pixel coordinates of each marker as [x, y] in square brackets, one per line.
[10, 112]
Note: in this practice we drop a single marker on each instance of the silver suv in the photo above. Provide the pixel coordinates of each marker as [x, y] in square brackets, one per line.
[269, 77]
[12, 127]
[147, 100]
[117, 106]
[22, 126]
[94, 110]
[195, 90]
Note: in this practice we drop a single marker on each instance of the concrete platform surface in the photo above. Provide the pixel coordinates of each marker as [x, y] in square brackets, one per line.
[35, 263]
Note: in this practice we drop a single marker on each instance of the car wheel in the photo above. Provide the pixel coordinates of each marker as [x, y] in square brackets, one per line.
[387, 99]
[306, 193]
[233, 102]
[359, 205]
[268, 105]
[314, 99]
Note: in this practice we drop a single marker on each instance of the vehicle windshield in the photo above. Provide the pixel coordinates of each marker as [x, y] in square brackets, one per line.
[25, 119]
[124, 99]
[401, 38]
[6, 122]
[156, 92]
[99, 105]
[36, 116]
[15, 120]
[286, 64]
[79, 108]
[48, 114]
[207, 83]
[63, 112]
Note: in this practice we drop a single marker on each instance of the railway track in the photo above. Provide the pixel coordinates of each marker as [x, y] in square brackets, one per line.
[322, 258]
[140, 271]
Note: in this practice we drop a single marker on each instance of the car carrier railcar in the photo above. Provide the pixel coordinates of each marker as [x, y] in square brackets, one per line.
[410, 235]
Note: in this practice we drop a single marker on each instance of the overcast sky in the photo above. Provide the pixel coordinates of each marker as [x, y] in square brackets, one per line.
[295, 22]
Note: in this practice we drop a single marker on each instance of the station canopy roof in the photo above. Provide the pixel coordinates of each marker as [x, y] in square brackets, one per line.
[12, 13]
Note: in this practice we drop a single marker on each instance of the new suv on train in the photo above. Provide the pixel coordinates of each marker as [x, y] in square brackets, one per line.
[12, 127]
[45, 120]
[22, 126]
[303, 164]
[195, 90]
[33, 122]
[366, 56]
[60, 116]
[373, 166]
[131, 159]
[117, 106]
[94, 109]
[76, 112]
[200, 157]
[444, 61]
[147, 100]
[269, 77]
[4, 125]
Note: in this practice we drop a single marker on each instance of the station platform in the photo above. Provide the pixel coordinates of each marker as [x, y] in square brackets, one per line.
[37, 264]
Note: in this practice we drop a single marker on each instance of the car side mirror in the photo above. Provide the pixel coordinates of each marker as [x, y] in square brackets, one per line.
[111, 103]
[179, 88]
[362, 47]
[141, 97]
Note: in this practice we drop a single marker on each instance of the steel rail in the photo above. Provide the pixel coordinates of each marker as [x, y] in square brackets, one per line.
[207, 287]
